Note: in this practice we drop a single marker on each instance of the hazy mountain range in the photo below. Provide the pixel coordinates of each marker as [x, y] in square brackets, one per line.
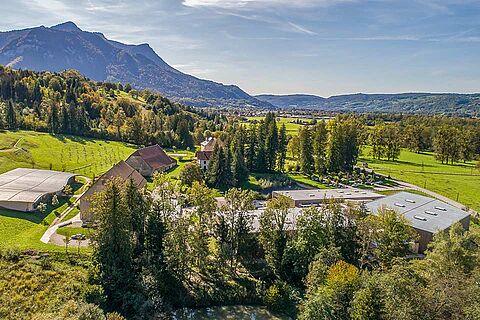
[444, 103]
[65, 46]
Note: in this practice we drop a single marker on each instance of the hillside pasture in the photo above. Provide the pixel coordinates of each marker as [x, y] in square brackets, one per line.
[26, 149]
[460, 181]
[79, 155]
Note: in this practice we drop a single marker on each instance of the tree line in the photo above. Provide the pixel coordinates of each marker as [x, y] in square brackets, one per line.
[178, 247]
[69, 103]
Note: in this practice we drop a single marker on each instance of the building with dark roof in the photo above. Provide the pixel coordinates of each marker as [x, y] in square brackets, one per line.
[121, 170]
[203, 158]
[206, 151]
[426, 215]
[151, 159]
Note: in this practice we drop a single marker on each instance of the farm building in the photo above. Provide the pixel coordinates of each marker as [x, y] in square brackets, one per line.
[151, 159]
[311, 197]
[23, 189]
[121, 170]
[426, 215]
[206, 151]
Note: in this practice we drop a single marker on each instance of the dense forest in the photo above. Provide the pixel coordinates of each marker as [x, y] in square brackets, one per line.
[69, 103]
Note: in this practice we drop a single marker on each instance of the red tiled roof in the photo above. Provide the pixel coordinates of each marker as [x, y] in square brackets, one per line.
[154, 156]
[203, 155]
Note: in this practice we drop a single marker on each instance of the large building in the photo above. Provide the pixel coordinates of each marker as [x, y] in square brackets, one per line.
[313, 197]
[426, 215]
[151, 159]
[23, 189]
[121, 170]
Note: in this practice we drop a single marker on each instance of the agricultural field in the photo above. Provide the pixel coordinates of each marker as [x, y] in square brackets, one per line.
[292, 128]
[460, 181]
[80, 155]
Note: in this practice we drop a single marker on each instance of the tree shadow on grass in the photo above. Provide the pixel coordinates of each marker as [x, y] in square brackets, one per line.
[36, 216]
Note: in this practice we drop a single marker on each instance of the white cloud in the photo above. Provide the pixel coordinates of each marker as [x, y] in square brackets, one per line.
[300, 29]
[239, 4]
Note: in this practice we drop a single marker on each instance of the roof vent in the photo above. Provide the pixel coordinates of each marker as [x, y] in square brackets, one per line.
[312, 195]
[431, 213]
[420, 218]
[441, 208]
[401, 205]
[410, 200]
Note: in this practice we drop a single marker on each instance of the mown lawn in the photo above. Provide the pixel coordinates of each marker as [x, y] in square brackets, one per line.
[23, 230]
[84, 156]
[425, 171]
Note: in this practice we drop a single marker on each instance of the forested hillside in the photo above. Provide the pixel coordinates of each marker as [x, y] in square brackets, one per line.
[430, 103]
[69, 103]
[65, 46]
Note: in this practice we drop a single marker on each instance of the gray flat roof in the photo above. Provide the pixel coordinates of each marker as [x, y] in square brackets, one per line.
[424, 213]
[338, 194]
[29, 185]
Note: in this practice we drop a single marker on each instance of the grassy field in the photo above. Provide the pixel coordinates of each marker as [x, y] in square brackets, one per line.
[292, 128]
[59, 152]
[70, 231]
[23, 230]
[45, 151]
[34, 287]
[459, 181]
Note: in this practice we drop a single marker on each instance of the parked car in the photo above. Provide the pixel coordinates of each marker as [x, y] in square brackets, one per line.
[78, 236]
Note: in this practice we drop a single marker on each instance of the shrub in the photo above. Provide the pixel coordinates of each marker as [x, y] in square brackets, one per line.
[281, 297]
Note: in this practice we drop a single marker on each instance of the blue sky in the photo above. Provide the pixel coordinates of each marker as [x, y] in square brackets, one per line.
[323, 47]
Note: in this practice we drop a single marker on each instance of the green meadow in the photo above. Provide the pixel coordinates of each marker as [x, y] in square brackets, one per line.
[458, 181]
[290, 125]
[80, 155]
[28, 149]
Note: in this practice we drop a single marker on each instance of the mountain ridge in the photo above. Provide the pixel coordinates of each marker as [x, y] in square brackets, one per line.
[413, 102]
[66, 46]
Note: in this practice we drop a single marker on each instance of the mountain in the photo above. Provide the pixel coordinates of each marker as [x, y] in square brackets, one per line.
[292, 101]
[439, 103]
[66, 46]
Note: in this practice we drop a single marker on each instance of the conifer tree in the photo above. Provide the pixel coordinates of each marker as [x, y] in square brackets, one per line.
[306, 151]
[320, 136]
[11, 116]
[282, 147]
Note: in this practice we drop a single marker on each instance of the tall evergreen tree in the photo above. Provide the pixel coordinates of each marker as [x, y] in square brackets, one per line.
[306, 150]
[282, 147]
[320, 136]
[11, 116]
[113, 247]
